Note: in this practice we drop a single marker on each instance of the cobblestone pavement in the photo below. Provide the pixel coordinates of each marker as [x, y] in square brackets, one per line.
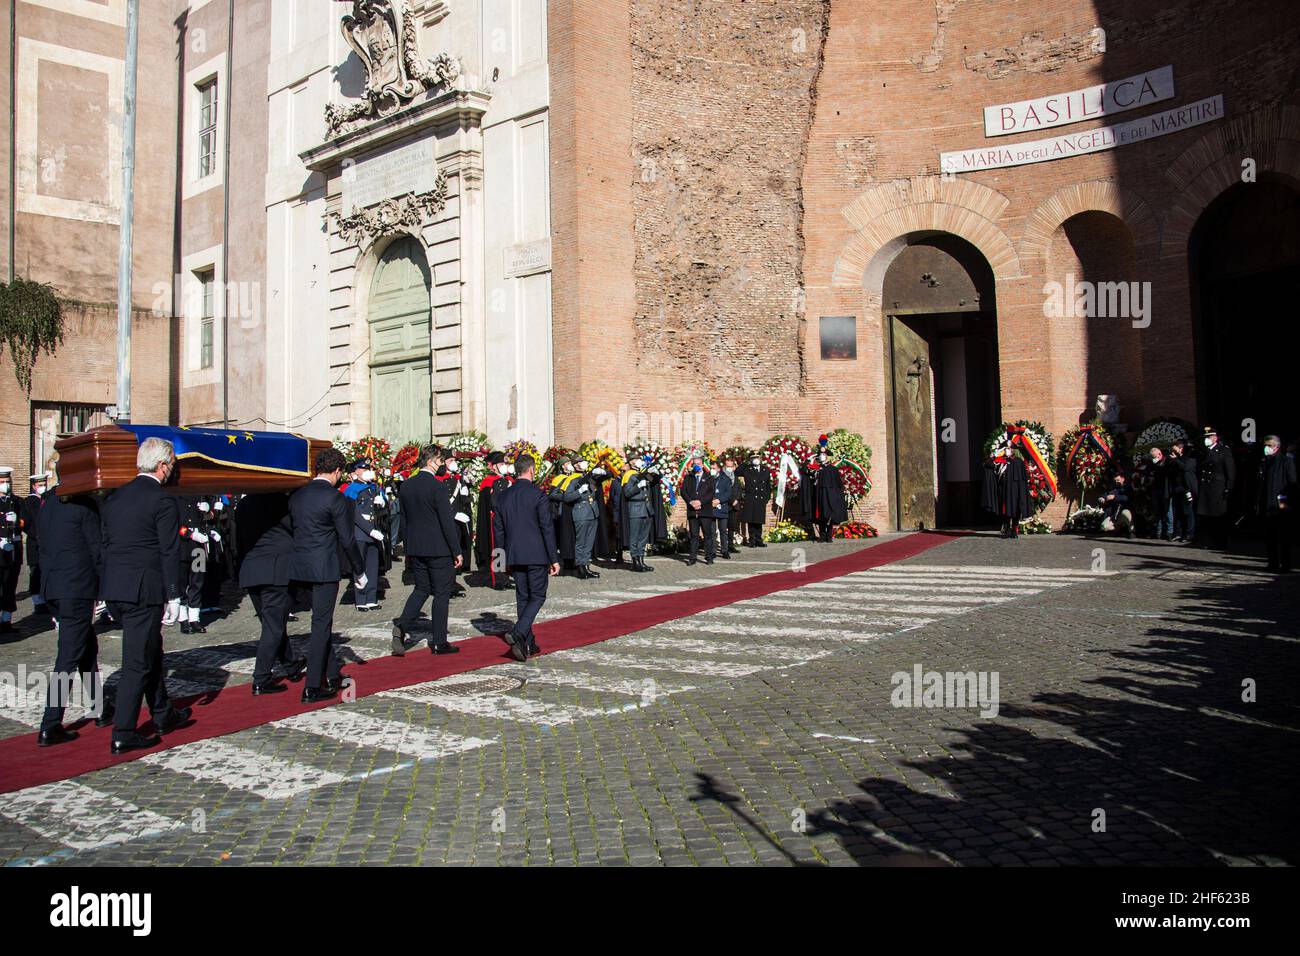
[763, 732]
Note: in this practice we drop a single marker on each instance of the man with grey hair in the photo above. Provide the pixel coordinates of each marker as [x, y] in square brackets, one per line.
[1277, 495]
[141, 573]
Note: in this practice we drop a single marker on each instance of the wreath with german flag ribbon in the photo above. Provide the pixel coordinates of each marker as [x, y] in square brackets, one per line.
[1035, 444]
[1088, 455]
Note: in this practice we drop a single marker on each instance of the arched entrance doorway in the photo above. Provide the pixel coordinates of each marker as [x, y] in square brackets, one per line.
[1244, 256]
[942, 363]
[399, 308]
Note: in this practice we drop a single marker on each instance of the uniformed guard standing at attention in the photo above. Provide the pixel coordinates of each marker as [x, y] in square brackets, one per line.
[363, 492]
[36, 484]
[489, 491]
[11, 550]
[638, 501]
[578, 493]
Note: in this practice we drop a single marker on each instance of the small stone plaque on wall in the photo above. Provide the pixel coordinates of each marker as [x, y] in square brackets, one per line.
[839, 337]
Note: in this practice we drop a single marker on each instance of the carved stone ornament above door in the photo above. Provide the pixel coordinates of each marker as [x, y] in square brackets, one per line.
[383, 35]
[407, 213]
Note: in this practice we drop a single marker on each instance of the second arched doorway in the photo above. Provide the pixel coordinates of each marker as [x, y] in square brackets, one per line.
[941, 362]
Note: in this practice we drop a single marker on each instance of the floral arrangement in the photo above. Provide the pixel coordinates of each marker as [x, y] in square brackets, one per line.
[372, 448]
[660, 462]
[471, 450]
[1161, 433]
[778, 445]
[601, 454]
[1084, 520]
[855, 530]
[1042, 481]
[851, 454]
[1035, 525]
[1088, 455]
[785, 531]
[683, 453]
[549, 458]
[404, 462]
[522, 446]
[742, 454]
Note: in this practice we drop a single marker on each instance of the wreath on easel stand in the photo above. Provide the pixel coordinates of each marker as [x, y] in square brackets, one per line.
[1035, 442]
[1088, 458]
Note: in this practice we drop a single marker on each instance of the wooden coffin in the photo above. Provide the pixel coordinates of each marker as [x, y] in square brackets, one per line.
[104, 458]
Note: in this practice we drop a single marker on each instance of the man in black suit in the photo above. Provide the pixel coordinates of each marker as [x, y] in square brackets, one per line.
[266, 545]
[524, 528]
[322, 528]
[69, 537]
[141, 564]
[432, 551]
[698, 493]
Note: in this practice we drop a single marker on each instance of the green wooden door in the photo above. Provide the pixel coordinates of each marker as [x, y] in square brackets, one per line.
[400, 384]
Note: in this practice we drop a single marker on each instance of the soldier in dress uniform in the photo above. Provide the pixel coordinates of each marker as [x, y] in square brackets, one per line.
[11, 549]
[489, 492]
[581, 498]
[37, 485]
[218, 525]
[362, 491]
[194, 561]
[462, 509]
[641, 510]
[1218, 475]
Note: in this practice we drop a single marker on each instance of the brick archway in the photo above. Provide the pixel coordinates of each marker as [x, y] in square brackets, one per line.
[924, 204]
[1096, 195]
[1213, 164]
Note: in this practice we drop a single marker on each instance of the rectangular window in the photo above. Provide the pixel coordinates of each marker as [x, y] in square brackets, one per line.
[207, 128]
[207, 316]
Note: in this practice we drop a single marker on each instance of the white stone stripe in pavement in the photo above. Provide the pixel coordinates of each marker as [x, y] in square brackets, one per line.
[764, 630]
[942, 580]
[498, 706]
[864, 586]
[875, 595]
[865, 607]
[991, 570]
[681, 665]
[538, 673]
[704, 645]
[82, 817]
[239, 768]
[799, 613]
[366, 730]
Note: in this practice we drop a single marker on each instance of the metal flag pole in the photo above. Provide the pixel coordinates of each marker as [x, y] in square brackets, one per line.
[128, 215]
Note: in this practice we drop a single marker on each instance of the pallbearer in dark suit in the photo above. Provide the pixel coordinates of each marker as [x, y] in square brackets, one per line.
[697, 491]
[523, 527]
[36, 484]
[432, 551]
[322, 529]
[266, 542]
[141, 566]
[11, 550]
[69, 536]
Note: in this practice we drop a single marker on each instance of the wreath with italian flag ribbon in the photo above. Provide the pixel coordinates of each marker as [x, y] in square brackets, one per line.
[1035, 443]
[1088, 455]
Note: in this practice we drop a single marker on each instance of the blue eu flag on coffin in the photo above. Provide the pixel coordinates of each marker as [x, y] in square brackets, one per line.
[282, 453]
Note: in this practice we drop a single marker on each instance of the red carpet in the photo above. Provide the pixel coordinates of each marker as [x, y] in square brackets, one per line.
[231, 709]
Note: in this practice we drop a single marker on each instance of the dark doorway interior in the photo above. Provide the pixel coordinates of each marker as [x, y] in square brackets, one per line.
[941, 330]
[1245, 278]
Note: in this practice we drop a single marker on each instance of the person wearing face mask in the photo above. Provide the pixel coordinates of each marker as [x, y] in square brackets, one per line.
[362, 492]
[141, 572]
[641, 511]
[756, 481]
[1218, 474]
[1156, 482]
[458, 492]
[1183, 490]
[724, 493]
[697, 491]
[561, 512]
[433, 552]
[36, 487]
[1277, 492]
[582, 501]
[485, 547]
[11, 550]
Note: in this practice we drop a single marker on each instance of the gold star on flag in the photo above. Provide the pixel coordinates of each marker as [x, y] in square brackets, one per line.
[248, 436]
[231, 439]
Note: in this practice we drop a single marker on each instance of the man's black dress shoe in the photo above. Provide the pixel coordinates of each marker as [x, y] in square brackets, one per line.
[444, 649]
[314, 695]
[533, 648]
[293, 671]
[135, 742]
[174, 718]
[185, 627]
[689, 562]
[268, 687]
[518, 646]
[56, 735]
[105, 718]
[398, 647]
